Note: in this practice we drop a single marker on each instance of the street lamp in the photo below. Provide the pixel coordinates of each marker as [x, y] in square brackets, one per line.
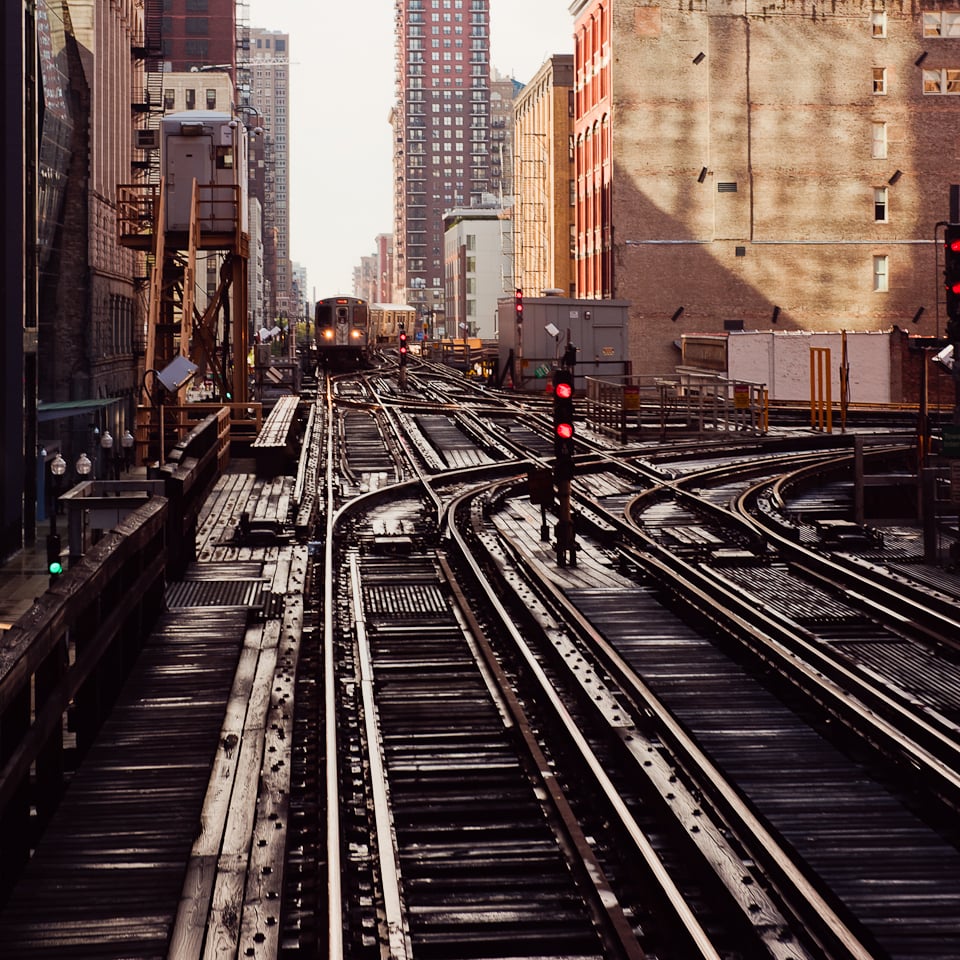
[126, 442]
[106, 445]
[58, 467]
[83, 465]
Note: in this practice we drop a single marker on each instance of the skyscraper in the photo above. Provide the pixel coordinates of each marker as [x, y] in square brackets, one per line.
[269, 92]
[441, 123]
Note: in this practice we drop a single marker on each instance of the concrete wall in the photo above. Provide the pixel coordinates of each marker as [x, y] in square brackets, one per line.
[782, 361]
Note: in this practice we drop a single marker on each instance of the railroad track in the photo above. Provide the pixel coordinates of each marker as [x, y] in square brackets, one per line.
[723, 811]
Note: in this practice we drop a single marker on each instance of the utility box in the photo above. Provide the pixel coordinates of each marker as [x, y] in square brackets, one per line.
[211, 148]
[597, 328]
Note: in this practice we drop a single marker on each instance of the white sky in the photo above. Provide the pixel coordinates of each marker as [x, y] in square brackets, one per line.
[341, 91]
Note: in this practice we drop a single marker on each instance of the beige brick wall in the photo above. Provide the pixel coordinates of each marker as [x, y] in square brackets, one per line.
[781, 105]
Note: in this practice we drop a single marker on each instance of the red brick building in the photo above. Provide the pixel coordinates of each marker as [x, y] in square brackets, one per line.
[199, 33]
[724, 185]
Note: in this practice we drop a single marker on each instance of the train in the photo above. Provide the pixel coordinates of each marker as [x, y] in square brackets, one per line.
[348, 331]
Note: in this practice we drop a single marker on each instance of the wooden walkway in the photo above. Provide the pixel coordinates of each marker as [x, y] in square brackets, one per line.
[170, 838]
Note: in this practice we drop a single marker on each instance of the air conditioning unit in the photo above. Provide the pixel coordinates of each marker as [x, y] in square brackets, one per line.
[146, 139]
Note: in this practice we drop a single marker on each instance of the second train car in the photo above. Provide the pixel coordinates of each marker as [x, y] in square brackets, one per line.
[342, 332]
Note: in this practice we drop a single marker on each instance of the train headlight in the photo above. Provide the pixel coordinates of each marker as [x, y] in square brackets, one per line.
[356, 334]
[328, 334]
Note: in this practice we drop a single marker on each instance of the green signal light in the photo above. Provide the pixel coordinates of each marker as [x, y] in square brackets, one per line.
[55, 567]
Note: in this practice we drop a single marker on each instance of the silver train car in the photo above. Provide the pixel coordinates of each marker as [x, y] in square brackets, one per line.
[342, 333]
[387, 319]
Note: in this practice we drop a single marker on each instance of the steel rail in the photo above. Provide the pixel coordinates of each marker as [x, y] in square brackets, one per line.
[759, 840]
[334, 889]
[682, 910]
[394, 915]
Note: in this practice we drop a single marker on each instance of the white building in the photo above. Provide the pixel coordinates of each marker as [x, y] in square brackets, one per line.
[477, 269]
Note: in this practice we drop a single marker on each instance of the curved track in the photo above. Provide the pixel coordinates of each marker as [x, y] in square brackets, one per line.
[650, 751]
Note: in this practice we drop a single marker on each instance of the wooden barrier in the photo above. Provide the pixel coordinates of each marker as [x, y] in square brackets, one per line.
[189, 475]
[275, 448]
[176, 422]
[62, 665]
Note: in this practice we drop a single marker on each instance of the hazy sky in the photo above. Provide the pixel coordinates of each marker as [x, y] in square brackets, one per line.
[342, 89]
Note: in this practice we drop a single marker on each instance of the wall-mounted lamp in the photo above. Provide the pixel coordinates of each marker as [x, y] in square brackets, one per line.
[703, 175]
[897, 174]
[918, 314]
[676, 314]
[920, 59]
[699, 57]
[776, 315]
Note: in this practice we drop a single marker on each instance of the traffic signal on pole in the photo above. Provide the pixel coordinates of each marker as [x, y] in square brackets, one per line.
[951, 276]
[403, 345]
[518, 304]
[54, 564]
[563, 427]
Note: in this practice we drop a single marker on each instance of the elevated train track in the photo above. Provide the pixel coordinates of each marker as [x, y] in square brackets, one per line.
[653, 751]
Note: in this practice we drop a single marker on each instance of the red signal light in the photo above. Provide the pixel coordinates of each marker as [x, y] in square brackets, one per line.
[564, 390]
[564, 431]
[954, 246]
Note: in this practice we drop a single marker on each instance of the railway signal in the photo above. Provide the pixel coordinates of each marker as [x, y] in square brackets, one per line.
[54, 563]
[951, 276]
[563, 427]
[403, 345]
[518, 304]
[563, 432]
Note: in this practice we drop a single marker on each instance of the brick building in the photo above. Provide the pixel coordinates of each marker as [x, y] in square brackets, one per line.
[91, 307]
[269, 76]
[543, 214]
[197, 34]
[722, 186]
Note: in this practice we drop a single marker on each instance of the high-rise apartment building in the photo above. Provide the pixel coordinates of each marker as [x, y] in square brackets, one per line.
[719, 189]
[441, 123]
[269, 77]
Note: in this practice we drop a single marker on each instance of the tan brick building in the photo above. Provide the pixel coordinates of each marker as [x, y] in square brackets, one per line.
[543, 178]
[744, 166]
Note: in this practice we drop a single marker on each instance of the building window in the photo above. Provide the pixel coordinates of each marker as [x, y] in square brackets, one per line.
[879, 80]
[197, 49]
[879, 141]
[880, 204]
[945, 81]
[941, 24]
[191, 99]
[878, 23]
[196, 6]
[197, 26]
[881, 280]
[168, 99]
[211, 99]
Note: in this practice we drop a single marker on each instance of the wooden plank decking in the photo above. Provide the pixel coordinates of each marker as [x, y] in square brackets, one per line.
[170, 838]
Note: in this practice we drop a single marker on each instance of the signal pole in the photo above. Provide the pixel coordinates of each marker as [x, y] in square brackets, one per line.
[563, 432]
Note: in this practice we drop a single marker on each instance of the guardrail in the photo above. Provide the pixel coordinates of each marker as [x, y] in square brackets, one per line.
[62, 665]
[698, 403]
[275, 447]
[243, 422]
